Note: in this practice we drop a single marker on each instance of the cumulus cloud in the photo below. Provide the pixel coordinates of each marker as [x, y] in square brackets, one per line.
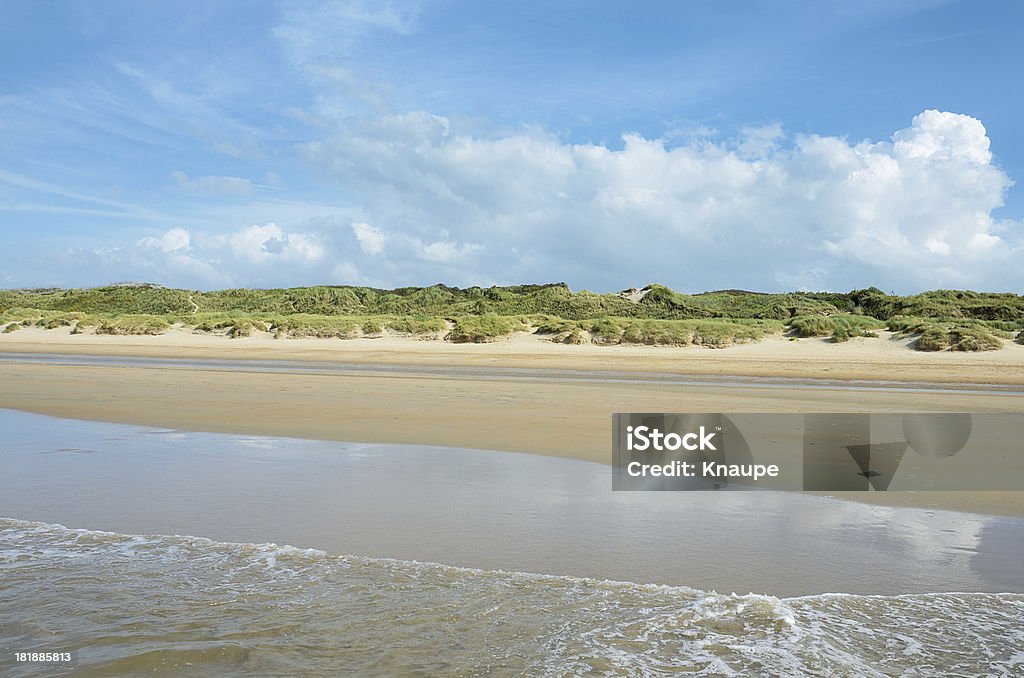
[371, 239]
[174, 240]
[765, 209]
[262, 244]
[158, 259]
[935, 135]
[250, 256]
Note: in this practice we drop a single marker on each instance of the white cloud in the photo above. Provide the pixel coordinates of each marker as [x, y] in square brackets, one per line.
[313, 31]
[939, 246]
[446, 252]
[943, 136]
[427, 202]
[764, 210]
[261, 244]
[371, 240]
[166, 258]
[256, 255]
[176, 239]
[213, 185]
[759, 142]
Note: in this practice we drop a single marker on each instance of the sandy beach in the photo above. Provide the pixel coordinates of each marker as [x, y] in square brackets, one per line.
[888, 357]
[526, 412]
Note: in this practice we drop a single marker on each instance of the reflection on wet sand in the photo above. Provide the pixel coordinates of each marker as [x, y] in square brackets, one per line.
[491, 510]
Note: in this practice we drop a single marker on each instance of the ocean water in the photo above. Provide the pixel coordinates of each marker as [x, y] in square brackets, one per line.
[153, 551]
[183, 605]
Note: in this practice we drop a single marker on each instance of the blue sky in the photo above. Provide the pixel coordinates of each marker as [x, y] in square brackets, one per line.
[704, 145]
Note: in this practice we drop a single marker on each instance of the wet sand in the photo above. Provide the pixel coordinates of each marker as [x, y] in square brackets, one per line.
[489, 510]
[529, 412]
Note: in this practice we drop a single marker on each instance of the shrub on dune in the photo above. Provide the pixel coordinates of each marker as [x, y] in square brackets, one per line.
[714, 333]
[372, 326]
[607, 331]
[303, 325]
[553, 325]
[933, 339]
[576, 337]
[142, 324]
[812, 326]
[965, 335]
[485, 328]
[417, 325]
[245, 328]
[840, 327]
[974, 339]
[232, 326]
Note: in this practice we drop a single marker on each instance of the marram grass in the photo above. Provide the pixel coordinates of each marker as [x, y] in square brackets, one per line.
[654, 315]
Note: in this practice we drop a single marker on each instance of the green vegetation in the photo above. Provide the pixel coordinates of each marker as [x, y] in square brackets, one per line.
[956, 335]
[133, 324]
[546, 324]
[938, 338]
[372, 326]
[840, 327]
[933, 338]
[942, 304]
[302, 325]
[654, 315]
[575, 336]
[557, 300]
[487, 327]
[416, 325]
[712, 333]
[233, 327]
[973, 339]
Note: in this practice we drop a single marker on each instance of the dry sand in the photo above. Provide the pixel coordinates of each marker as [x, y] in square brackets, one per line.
[565, 417]
[888, 358]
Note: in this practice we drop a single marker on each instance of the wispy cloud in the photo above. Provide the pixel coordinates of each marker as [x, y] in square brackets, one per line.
[318, 31]
[213, 185]
[121, 208]
[203, 117]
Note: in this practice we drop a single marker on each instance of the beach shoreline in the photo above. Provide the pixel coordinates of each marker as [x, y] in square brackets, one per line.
[487, 510]
[558, 416]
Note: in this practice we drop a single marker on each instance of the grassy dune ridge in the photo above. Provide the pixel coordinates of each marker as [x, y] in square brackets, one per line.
[654, 315]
